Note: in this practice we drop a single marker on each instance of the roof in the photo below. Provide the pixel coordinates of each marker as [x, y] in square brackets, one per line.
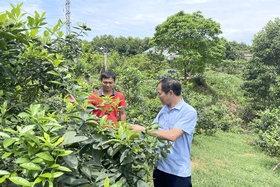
[169, 56]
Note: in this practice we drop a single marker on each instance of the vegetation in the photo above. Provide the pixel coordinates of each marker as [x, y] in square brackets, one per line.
[262, 73]
[47, 141]
[231, 159]
[235, 51]
[194, 38]
[124, 46]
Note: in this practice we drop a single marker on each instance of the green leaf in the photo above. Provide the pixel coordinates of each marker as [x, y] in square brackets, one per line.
[53, 73]
[60, 34]
[34, 109]
[24, 115]
[54, 166]
[57, 174]
[30, 166]
[120, 132]
[56, 62]
[117, 184]
[103, 176]
[2, 179]
[6, 155]
[50, 183]
[4, 172]
[63, 168]
[117, 149]
[97, 158]
[76, 182]
[59, 167]
[45, 156]
[141, 183]
[71, 160]
[10, 35]
[56, 82]
[37, 180]
[8, 141]
[65, 153]
[27, 128]
[59, 141]
[37, 160]
[70, 138]
[22, 160]
[34, 139]
[124, 155]
[4, 106]
[47, 137]
[109, 142]
[10, 130]
[56, 124]
[86, 171]
[46, 175]
[20, 181]
[4, 135]
[107, 182]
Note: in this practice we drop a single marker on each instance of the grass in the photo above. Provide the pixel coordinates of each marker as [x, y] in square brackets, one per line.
[231, 160]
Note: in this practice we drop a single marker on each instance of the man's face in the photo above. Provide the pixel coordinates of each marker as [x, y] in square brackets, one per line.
[107, 84]
[164, 98]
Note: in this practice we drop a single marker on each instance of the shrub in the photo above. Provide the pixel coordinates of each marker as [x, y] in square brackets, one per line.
[267, 125]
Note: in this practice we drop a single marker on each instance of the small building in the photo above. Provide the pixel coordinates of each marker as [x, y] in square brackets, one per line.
[247, 55]
[165, 53]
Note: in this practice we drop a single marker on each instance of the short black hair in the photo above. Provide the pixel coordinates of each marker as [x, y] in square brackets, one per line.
[168, 84]
[107, 74]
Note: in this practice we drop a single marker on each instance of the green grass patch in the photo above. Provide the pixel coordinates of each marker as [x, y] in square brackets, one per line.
[231, 160]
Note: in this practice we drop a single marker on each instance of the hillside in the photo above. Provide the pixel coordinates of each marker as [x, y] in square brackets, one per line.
[230, 159]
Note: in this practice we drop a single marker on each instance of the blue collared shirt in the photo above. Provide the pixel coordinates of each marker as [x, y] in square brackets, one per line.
[184, 117]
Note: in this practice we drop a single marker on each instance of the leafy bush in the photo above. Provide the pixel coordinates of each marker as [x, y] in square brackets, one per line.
[207, 116]
[74, 148]
[32, 149]
[267, 125]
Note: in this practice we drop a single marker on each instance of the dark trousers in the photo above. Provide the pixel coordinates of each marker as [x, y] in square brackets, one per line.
[162, 179]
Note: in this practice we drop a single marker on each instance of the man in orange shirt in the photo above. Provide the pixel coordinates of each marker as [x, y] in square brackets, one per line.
[107, 100]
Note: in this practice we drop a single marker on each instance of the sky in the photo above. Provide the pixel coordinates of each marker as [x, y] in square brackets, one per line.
[240, 20]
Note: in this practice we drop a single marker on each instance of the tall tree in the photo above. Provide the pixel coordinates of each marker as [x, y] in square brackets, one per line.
[194, 38]
[262, 78]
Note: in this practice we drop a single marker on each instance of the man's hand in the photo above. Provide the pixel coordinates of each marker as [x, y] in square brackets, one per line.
[135, 127]
[72, 98]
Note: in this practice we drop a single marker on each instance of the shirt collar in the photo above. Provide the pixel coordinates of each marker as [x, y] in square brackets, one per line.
[101, 94]
[178, 106]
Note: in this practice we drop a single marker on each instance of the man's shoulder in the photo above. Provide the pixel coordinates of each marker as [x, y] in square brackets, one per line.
[94, 94]
[120, 94]
[187, 108]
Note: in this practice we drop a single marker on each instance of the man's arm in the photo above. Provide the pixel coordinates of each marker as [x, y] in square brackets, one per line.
[171, 135]
[72, 99]
[122, 114]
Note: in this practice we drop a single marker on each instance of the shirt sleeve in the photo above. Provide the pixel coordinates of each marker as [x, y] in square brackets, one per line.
[187, 121]
[92, 98]
[122, 102]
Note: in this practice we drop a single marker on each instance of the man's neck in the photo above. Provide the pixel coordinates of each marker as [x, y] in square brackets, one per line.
[174, 103]
[108, 93]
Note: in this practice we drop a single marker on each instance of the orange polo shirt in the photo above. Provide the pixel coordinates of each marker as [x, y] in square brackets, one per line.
[107, 106]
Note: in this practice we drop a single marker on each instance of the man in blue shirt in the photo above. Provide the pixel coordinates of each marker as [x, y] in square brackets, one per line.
[177, 121]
